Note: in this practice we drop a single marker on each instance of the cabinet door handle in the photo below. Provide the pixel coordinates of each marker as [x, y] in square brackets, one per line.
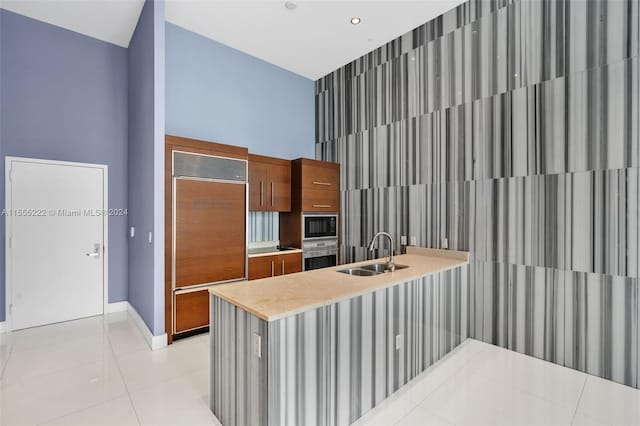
[272, 184]
[261, 193]
[272, 268]
[322, 183]
[323, 206]
[282, 266]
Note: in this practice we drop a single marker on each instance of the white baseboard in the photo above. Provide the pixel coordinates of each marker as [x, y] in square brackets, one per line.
[117, 307]
[154, 342]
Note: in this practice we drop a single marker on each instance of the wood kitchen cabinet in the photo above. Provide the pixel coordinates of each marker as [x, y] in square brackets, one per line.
[269, 184]
[274, 265]
[316, 186]
[290, 263]
[314, 200]
[191, 310]
[204, 227]
[320, 175]
[262, 267]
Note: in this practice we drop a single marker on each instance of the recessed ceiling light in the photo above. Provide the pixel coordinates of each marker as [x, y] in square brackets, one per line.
[290, 5]
[355, 20]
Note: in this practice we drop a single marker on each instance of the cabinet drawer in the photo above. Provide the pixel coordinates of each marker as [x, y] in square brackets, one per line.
[315, 177]
[191, 310]
[318, 200]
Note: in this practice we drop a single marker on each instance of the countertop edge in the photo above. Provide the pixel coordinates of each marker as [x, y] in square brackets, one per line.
[274, 253]
[351, 296]
[270, 318]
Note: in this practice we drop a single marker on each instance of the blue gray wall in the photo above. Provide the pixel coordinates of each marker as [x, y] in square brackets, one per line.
[220, 94]
[64, 97]
[512, 128]
[146, 165]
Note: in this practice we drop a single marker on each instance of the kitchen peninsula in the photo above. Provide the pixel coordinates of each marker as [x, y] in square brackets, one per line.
[323, 347]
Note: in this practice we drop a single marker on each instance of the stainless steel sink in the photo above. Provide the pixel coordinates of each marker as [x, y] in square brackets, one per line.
[369, 270]
[379, 267]
[359, 272]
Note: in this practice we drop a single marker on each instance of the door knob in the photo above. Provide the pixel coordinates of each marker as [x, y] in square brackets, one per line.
[96, 251]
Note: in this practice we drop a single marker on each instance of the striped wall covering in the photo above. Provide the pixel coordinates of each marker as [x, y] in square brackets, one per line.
[330, 365]
[511, 128]
[263, 226]
[238, 382]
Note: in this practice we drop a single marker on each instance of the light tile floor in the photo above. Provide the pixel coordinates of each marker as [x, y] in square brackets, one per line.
[99, 371]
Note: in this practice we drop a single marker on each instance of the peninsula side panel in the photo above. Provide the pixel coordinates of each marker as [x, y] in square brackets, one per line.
[238, 382]
[331, 365]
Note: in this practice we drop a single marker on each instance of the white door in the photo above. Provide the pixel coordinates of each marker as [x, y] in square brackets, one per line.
[55, 240]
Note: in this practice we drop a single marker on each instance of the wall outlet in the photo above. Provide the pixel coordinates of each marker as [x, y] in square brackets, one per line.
[403, 240]
[444, 243]
[257, 344]
[398, 341]
[414, 240]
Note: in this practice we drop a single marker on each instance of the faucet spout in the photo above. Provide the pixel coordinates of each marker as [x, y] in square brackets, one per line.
[391, 266]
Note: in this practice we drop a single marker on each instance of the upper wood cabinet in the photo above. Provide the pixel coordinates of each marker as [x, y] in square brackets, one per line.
[316, 185]
[269, 184]
[323, 176]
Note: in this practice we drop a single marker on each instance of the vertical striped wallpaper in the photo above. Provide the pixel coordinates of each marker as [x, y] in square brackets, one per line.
[511, 128]
[330, 365]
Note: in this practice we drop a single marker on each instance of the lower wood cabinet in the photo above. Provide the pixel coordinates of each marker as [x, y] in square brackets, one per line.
[290, 263]
[262, 267]
[274, 265]
[191, 310]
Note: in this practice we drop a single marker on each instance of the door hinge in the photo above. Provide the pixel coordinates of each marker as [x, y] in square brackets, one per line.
[10, 242]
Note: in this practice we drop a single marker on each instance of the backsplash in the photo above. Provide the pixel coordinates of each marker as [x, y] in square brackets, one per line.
[511, 128]
[263, 226]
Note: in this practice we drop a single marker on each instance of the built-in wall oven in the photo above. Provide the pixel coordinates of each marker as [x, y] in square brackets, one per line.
[319, 253]
[319, 240]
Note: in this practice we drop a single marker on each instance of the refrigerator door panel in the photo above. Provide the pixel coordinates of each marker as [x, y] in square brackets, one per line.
[209, 232]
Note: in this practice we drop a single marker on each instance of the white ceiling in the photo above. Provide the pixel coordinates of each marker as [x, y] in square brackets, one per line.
[314, 39]
[109, 20]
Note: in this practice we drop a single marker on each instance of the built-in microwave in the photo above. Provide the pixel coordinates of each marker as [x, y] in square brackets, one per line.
[319, 225]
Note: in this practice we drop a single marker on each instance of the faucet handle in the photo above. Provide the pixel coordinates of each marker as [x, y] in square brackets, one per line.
[391, 267]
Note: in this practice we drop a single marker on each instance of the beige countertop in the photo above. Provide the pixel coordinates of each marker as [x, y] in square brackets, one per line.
[274, 298]
[272, 252]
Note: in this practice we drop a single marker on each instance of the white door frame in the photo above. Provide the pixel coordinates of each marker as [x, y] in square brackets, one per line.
[7, 226]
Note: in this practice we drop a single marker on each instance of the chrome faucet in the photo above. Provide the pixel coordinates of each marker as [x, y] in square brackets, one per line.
[391, 267]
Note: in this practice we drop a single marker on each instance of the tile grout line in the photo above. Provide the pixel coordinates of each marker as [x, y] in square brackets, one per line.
[450, 377]
[97, 403]
[6, 361]
[439, 386]
[78, 411]
[573, 418]
[124, 382]
[401, 396]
